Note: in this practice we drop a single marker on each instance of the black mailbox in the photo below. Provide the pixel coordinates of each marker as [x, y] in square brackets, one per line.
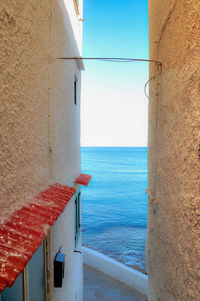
[59, 267]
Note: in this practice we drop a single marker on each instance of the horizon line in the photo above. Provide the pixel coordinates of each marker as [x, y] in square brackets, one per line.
[114, 145]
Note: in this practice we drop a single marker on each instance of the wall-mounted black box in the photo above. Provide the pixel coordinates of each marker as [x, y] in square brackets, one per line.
[59, 268]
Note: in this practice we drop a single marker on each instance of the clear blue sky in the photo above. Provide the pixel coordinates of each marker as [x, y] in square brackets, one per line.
[114, 107]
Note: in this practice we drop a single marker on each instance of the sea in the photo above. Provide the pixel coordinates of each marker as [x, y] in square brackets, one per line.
[114, 205]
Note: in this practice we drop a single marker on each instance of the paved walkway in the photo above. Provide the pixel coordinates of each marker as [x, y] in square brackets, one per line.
[99, 287]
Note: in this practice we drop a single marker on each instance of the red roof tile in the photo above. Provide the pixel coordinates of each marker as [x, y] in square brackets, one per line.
[83, 179]
[23, 233]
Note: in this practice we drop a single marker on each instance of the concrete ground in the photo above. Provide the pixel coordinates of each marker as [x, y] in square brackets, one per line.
[100, 287]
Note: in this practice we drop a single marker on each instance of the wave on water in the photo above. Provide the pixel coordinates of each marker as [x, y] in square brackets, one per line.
[125, 244]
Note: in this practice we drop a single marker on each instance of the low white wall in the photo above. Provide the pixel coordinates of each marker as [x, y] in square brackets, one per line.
[116, 270]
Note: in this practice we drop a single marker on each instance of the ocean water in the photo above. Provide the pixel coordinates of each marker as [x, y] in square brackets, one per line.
[114, 205]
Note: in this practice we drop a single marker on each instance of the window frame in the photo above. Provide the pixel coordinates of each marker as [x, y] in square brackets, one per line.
[26, 283]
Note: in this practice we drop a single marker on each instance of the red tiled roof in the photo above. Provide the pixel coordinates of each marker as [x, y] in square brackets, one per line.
[23, 233]
[83, 179]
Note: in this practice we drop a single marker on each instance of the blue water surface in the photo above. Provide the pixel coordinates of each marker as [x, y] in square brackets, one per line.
[114, 205]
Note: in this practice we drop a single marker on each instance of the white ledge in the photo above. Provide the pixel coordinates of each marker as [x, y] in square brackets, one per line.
[116, 270]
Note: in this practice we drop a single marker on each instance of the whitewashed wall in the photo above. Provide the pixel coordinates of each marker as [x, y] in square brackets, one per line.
[65, 141]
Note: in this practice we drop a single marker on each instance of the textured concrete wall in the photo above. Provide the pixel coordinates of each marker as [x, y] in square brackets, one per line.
[173, 244]
[24, 78]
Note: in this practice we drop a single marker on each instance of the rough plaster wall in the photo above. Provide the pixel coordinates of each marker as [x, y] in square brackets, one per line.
[173, 256]
[24, 77]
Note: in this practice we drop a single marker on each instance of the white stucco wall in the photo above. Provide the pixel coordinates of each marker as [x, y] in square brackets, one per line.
[64, 138]
[73, 22]
[62, 235]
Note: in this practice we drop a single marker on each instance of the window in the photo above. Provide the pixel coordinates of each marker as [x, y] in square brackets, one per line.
[77, 218]
[36, 271]
[30, 284]
[75, 90]
[16, 292]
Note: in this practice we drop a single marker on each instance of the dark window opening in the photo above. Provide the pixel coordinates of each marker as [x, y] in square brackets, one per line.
[77, 218]
[75, 90]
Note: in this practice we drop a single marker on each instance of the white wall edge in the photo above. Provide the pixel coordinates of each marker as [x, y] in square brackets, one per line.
[70, 32]
[116, 270]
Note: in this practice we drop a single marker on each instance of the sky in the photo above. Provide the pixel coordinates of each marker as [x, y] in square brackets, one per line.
[114, 109]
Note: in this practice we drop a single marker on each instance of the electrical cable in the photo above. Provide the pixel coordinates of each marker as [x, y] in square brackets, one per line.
[111, 59]
[145, 86]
